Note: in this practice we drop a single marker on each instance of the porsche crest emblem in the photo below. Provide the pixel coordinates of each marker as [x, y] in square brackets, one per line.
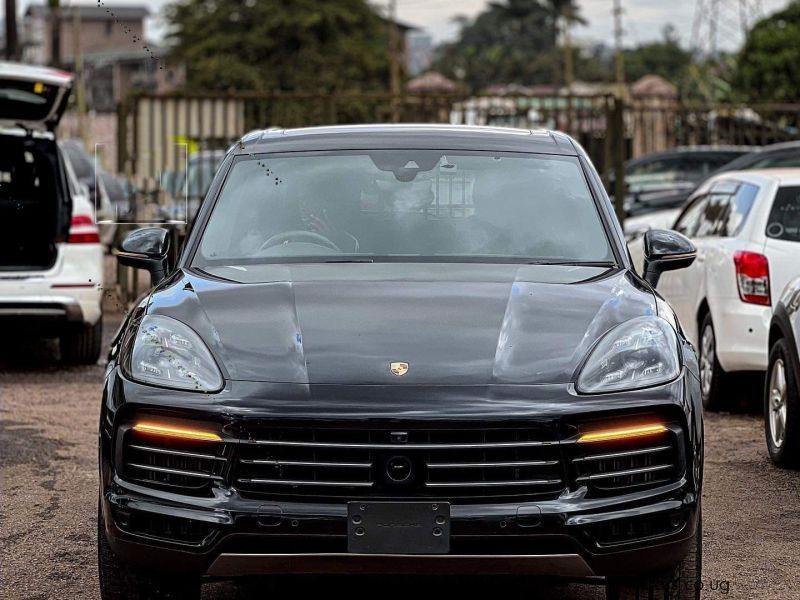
[398, 368]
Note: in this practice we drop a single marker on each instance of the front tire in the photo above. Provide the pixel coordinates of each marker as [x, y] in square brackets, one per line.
[683, 583]
[81, 345]
[714, 381]
[782, 407]
[119, 581]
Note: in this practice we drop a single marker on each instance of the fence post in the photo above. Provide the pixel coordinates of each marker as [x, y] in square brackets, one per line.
[618, 149]
[122, 135]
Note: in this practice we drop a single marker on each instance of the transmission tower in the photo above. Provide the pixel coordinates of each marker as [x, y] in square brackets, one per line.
[722, 24]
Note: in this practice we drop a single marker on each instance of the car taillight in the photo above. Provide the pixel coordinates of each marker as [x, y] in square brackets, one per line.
[752, 276]
[82, 231]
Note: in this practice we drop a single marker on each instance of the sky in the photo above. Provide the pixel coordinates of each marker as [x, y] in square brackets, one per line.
[643, 20]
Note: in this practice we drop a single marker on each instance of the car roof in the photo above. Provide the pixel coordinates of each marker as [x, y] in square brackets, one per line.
[791, 145]
[698, 151]
[416, 136]
[763, 176]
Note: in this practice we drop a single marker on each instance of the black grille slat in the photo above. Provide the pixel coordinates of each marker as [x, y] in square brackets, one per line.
[461, 465]
[619, 467]
[185, 466]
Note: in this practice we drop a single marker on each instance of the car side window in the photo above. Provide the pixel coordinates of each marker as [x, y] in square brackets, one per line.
[738, 209]
[697, 167]
[687, 223]
[712, 215]
[661, 166]
[784, 218]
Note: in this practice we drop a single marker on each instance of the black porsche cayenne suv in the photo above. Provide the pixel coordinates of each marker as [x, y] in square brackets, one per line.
[401, 349]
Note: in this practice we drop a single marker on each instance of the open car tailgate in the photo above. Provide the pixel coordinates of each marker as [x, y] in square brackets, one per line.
[32, 97]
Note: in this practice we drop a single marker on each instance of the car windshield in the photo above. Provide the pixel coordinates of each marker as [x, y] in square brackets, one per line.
[418, 205]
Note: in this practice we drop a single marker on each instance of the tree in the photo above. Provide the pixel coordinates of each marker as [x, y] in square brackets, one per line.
[513, 41]
[291, 45]
[768, 68]
[665, 58]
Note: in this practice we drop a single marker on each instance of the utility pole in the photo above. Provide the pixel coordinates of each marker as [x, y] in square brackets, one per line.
[618, 116]
[619, 57]
[11, 29]
[569, 64]
[394, 61]
[77, 59]
[55, 32]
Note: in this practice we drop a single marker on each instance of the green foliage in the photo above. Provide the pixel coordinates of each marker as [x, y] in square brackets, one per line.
[768, 69]
[513, 41]
[287, 45]
[665, 58]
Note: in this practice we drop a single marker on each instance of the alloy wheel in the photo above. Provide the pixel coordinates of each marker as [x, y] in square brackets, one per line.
[777, 403]
[707, 359]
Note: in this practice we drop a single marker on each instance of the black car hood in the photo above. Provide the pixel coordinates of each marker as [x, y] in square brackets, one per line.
[454, 324]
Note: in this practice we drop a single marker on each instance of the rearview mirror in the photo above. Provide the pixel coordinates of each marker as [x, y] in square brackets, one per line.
[147, 249]
[666, 251]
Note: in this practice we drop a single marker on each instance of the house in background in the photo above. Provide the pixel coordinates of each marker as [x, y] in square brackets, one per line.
[431, 82]
[112, 42]
[101, 28]
[116, 60]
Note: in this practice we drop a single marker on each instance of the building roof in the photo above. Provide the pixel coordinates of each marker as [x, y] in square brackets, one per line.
[653, 86]
[99, 58]
[431, 81]
[578, 88]
[93, 12]
[403, 27]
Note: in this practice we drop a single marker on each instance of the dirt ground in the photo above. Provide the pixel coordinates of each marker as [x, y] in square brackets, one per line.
[48, 495]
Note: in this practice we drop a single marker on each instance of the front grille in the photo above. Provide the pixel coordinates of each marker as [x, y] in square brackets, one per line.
[618, 467]
[186, 466]
[463, 465]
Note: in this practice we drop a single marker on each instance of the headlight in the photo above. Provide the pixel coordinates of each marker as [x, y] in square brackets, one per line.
[636, 354]
[168, 353]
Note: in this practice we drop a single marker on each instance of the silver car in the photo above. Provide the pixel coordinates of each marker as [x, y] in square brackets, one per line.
[782, 391]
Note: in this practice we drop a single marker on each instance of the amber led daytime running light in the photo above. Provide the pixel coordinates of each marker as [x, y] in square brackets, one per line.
[622, 433]
[185, 433]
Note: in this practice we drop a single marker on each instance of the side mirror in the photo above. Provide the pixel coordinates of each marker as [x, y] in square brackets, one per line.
[147, 249]
[666, 251]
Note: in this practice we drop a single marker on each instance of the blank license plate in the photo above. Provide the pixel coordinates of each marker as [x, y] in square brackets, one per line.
[398, 527]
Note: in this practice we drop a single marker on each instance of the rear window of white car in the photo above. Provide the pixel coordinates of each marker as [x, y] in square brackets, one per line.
[784, 218]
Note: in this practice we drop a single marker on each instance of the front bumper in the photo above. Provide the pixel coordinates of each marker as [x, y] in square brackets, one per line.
[486, 539]
[230, 534]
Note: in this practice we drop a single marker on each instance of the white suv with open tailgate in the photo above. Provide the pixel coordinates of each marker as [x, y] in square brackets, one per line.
[51, 259]
[746, 227]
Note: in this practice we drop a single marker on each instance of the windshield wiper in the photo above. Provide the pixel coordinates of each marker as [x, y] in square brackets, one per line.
[349, 260]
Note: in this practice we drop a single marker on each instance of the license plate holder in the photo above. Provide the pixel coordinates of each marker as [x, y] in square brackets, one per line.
[398, 527]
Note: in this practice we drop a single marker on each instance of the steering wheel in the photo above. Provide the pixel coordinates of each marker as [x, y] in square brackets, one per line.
[299, 235]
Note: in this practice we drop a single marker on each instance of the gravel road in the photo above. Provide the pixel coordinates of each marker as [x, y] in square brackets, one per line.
[48, 495]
